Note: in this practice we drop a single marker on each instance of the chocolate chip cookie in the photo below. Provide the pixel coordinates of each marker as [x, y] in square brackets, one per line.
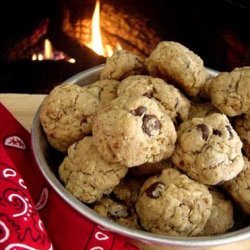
[174, 102]
[86, 174]
[173, 204]
[205, 88]
[67, 115]
[121, 65]
[133, 131]
[221, 218]
[230, 92]
[104, 90]
[178, 65]
[117, 212]
[242, 127]
[239, 187]
[127, 190]
[208, 149]
[201, 110]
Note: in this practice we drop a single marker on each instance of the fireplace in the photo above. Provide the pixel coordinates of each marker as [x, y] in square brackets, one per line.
[45, 42]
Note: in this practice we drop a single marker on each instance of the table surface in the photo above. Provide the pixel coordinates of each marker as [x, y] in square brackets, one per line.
[24, 107]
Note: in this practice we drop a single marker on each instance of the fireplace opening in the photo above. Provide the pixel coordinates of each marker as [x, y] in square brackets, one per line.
[45, 42]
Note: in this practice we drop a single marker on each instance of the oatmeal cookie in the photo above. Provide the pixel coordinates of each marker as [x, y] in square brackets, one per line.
[86, 175]
[208, 149]
[173, 204]
[178, 65]
[239, 187]
[127, 190]
[67, 115]
[221, 218]
[242, 127]
[201, 110]
[104, 90]
[133, 131]
[174, 102]
[205, 88]
[230, 92]
[117, 212]
[121, 65]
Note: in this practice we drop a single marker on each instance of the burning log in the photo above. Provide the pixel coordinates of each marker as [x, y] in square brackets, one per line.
[130, 32]
[83, 55]
[23, 49]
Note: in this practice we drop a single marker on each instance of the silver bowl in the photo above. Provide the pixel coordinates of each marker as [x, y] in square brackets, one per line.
[239, 239]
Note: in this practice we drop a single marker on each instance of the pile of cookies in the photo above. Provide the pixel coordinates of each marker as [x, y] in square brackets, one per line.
[156, 141]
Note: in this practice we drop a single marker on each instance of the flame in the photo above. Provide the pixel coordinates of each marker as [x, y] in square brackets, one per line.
[96, 31]
[96, 43]
[40, 57]
[48, 53]
[34, 57]
[48, 50]
[118, 46]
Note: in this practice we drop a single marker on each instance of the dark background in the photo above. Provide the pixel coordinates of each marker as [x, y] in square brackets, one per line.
[217, 30]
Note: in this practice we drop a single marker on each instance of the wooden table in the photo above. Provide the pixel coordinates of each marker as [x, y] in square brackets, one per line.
[24, 107]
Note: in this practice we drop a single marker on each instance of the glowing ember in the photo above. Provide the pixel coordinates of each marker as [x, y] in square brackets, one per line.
[96, 43]
[49, 53]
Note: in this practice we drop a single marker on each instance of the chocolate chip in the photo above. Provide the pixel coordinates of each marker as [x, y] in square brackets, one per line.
[155, 190]
[204, 129]
[151, 125]
[83, 120]
[229, 129]
[181, 163]
[139, 111]
[148, 95]
[178, 119]
[217, 132]
[177, 103]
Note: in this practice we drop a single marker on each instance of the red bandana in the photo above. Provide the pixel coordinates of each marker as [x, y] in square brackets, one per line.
[32, 214]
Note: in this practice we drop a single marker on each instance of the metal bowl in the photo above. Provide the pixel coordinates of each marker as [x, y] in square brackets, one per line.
[239, 239]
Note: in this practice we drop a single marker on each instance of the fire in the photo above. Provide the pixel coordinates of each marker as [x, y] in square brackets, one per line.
[96, 31]
[96, 43]
[48, 53]
[48, 50]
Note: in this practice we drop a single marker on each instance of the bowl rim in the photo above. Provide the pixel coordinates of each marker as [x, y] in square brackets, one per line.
[139, 235]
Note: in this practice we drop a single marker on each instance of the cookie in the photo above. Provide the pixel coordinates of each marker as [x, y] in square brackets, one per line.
[174, 102]
[201, 110]
[127, 190]
[173, 204]
[230, 92]
[117, 212]
[239, 187]
[208, 149]
[67, 115]
[104, 90]
[242, 127]
[86, 175]
[121, 65]
[133, 131]
[150, 169]
[178, 65]
[205, 88]
[221, 218]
